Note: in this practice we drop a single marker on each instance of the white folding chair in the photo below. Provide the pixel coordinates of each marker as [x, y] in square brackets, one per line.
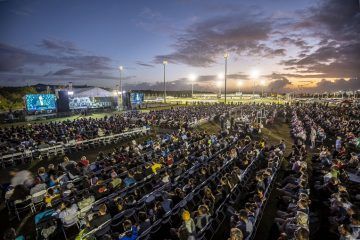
[24, 205]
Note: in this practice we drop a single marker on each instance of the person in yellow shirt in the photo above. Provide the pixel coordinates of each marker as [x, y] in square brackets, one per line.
[155, 167]
[262, 143]
[50, 195]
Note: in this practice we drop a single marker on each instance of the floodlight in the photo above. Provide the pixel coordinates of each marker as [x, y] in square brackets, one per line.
[192, 77]
[254, 73]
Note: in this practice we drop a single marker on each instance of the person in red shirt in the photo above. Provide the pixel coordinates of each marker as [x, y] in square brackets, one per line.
[170, 160]
[84, 161]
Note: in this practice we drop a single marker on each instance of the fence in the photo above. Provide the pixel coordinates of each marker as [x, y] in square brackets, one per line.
[200, 122]
[22, 157]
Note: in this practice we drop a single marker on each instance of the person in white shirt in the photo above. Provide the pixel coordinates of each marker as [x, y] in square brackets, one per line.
[68, 213]
[23, 177]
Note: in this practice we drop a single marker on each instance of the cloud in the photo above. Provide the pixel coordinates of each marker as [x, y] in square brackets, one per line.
[59, 46]
[214, 78]
[279, 85]
[339, 60]
[175, 85]
[203, 83]
[298, 42]
[337, 85]
[336, 23]
[97, 78]
[21, 12]
[12, 58]
[144, 64]
[333, 19]
[61, 72]
[203, 42]
[65, 71]
[153, 21]
[18, 63]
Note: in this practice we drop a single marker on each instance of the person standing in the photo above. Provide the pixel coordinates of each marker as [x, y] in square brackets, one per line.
[338, 143]
[312, 138]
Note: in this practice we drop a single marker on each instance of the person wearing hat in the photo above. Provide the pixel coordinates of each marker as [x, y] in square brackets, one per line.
[187, 230]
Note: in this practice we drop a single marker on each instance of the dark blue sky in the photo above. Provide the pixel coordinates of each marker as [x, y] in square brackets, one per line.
[289, 42]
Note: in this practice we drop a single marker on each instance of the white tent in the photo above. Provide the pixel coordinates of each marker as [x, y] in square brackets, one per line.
[91, 92]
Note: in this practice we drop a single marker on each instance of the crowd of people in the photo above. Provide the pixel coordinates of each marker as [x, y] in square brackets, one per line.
[335, 166]
[247, 213]
[292, 216]
[141, 177]
[190, 184]
[18, 138]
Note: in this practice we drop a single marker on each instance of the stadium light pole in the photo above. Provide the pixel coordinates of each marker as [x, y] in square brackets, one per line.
[192, 78]
[121, 68]
[254, 74]
[226, 55]
[219, 82]
[262, 83]
[164, 64]
[240, 83]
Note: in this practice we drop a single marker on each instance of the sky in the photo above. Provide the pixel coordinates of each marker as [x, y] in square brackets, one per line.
[292, 46]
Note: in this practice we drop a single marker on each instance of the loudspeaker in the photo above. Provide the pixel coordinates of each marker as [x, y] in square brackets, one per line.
[63, 101]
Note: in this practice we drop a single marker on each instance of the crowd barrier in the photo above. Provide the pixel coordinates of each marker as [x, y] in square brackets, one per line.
[60, 149]
[200, 122]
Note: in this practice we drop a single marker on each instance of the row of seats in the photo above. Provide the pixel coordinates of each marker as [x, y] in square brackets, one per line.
[332, 166]
[246, 212]
[27, 156]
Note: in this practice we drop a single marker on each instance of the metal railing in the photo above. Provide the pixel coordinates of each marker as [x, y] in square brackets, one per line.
[9, 159]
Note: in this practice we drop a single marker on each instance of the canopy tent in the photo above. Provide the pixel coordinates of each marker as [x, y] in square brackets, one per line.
[91, 92]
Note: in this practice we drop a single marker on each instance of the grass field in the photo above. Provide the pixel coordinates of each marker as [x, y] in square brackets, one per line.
[229, 100]
[172, 104]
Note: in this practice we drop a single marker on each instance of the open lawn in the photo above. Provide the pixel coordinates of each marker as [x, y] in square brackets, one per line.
[229, 100]
[172, 104]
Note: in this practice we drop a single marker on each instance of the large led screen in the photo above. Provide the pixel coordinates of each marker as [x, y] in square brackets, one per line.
[38, 102]
[136, 98]
[89, 102]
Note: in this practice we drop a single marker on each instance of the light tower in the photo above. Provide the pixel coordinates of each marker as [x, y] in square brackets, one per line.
[164, 64]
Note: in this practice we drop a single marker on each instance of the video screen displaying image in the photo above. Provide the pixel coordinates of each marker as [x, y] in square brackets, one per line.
[38, 102]
[136, 98]
[89, 102]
